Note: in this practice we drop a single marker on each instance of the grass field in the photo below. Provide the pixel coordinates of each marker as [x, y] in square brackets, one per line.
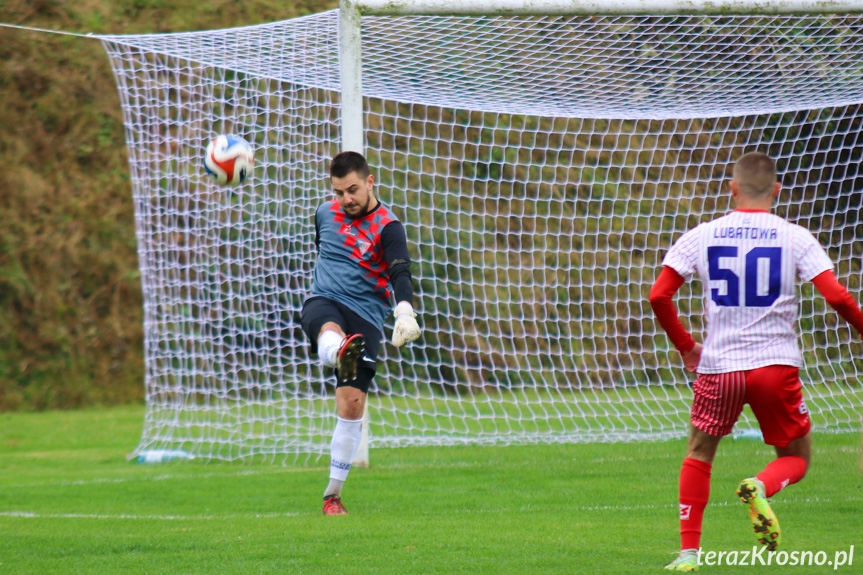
[70, 503]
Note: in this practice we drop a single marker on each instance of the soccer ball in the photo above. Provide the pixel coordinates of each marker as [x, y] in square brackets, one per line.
[229, 159]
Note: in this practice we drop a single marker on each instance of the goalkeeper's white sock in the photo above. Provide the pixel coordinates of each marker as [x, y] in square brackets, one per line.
[328, 348]
[346, 440]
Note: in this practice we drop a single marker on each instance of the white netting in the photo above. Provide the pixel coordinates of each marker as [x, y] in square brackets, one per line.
[542, 167]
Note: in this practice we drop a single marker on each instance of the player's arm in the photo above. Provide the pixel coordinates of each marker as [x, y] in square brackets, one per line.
[839, 299]
[395, 249]
[662, 302]
[318, 228]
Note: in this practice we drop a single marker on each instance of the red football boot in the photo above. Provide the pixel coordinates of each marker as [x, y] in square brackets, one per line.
[333, 506]
[350, 351]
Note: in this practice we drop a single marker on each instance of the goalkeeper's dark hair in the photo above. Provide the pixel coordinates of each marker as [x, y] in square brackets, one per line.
[347, 162]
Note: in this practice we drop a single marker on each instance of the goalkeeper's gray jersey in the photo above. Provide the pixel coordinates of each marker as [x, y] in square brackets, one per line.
[352, 267]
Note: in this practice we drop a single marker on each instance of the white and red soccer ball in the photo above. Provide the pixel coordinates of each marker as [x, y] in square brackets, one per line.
[229, 159]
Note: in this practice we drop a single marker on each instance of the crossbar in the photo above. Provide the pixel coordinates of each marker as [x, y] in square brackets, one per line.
[603, 7]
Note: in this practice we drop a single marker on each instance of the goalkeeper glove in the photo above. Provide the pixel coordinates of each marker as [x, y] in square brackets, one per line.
[406, 328]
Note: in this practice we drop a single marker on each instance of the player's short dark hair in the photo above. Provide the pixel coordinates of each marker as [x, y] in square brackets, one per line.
[755, 174]
[347, 162]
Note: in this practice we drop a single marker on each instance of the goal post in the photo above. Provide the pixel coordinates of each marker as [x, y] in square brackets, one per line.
[541, 165]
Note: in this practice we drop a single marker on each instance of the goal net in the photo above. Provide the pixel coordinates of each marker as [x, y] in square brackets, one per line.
[542, 167]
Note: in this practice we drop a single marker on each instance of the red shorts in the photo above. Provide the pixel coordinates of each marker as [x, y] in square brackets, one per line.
[774, 393]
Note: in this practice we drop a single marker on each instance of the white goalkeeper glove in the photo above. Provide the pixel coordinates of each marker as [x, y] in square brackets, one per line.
[406, 328]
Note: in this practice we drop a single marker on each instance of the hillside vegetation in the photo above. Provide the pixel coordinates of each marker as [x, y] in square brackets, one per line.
[71, 329]
[560, 218]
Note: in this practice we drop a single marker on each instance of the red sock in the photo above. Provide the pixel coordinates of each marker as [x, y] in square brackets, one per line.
[781, 473]
[694, 493]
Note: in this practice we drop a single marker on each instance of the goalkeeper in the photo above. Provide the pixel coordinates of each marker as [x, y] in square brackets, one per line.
[362, 253]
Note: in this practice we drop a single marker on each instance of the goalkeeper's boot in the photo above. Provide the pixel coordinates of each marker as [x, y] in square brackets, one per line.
[333, 506]
[350, 351]
[686, 561]
[764, 522]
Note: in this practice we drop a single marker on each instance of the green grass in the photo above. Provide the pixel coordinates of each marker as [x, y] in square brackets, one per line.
[71, 503]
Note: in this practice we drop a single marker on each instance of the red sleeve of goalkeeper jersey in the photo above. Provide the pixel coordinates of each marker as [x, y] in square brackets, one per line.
[839, 299]
[667, 284]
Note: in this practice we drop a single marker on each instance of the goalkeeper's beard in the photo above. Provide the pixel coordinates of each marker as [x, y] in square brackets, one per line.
[363, 211]
[360, 213]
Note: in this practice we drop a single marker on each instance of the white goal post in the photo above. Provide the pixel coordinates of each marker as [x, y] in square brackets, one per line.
[542, 157]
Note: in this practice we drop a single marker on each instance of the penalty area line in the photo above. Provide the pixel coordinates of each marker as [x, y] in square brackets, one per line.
[171, 517]
[646, 506]
[162, 477]
[37, 515]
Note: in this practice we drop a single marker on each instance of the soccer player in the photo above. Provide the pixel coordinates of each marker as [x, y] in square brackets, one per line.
[362, 253]
[749, 263]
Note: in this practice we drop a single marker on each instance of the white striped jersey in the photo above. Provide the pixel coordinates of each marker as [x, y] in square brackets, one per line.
[749, 263]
